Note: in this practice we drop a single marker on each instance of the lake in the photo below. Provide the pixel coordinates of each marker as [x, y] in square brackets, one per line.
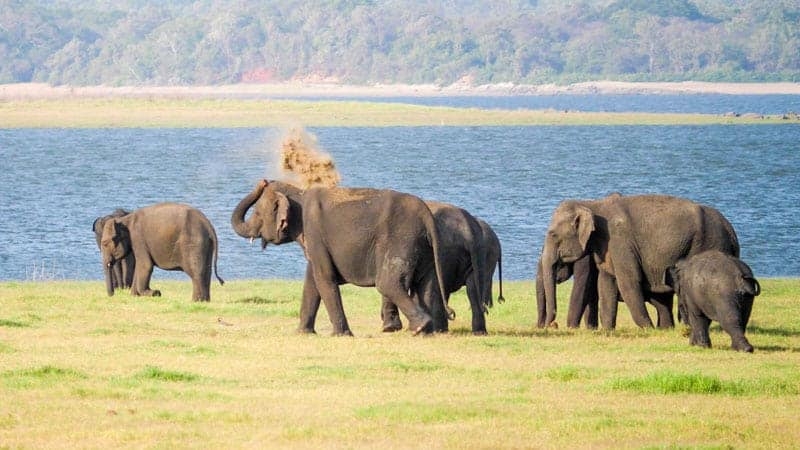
[55, 182]
[660, 103]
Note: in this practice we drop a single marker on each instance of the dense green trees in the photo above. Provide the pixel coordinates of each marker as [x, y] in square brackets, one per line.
[363, 41]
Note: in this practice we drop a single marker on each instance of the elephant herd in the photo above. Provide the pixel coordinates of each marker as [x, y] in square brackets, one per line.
[631, 249]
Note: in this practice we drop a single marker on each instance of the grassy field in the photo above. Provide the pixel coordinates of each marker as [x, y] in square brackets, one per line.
[80, 369]
[171, 113]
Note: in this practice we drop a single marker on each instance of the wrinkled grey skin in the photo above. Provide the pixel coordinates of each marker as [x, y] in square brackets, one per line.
[632, 241]
[714, 286]
[584, 299]
[121, 274]
[170, 236]
[367, 237]
[470, 252]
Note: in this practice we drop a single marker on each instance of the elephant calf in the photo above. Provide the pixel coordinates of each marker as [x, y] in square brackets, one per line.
[170, 236]
[714, 286]
[122, 270]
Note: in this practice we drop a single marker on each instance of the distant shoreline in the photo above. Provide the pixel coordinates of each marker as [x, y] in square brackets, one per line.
[297, 89]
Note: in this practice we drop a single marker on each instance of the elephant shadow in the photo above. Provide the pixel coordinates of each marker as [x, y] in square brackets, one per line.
[777, 332]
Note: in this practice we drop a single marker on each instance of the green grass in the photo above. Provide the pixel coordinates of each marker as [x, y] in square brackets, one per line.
[80, 369]
[172, 113]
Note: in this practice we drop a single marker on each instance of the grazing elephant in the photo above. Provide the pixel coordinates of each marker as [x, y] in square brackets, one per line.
[170, 236]
[122, 270]
[470, 252]
[367, 237]
[715, 286]
[584, 300]
[632, 240]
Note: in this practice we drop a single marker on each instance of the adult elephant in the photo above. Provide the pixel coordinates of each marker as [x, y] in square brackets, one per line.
[367, 237]
[583, 303]
[171, 236]
[470, 253]
[122, 270]
[632, 240]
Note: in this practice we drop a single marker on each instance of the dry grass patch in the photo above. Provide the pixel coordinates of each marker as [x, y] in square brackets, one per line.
[204, 113]
[80, 369]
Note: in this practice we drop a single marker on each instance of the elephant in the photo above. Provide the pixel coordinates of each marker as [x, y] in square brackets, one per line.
[632, 240]
[470, 253]
[122, 271]
[363, 236]
[713, 285]
[584, 299]
[171, 236]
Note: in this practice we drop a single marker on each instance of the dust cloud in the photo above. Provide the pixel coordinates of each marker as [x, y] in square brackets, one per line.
[304, 163]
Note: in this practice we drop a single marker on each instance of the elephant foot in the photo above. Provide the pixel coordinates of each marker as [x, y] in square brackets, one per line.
[342, 333]
[304, 330]
[423, 325]
[743, 347]
[553, 325]
[480, 333]
[392, 326]
[155, 293]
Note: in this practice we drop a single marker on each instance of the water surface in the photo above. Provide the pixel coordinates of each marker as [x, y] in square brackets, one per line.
[55, 182]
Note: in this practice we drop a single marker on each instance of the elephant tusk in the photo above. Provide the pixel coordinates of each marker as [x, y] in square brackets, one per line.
[252, 239]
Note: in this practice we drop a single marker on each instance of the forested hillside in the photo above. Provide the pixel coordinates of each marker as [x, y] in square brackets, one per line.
[186, 42]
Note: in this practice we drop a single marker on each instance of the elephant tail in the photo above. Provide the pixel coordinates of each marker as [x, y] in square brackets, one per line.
[751, 286]
[433, 237]
[500, 298]
[216, 254]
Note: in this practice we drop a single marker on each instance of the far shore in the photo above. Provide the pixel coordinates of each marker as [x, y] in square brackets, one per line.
[304, 89]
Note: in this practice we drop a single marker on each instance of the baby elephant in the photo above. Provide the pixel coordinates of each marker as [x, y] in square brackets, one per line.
[171, 236]
[714, 286]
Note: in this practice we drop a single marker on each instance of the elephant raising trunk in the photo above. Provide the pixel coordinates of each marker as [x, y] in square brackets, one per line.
[367, 237]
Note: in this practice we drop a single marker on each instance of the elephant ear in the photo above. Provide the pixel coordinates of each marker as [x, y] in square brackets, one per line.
[281, 213]
[584, 225]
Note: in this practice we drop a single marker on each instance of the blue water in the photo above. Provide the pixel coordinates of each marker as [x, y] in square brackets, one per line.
[55, 182]
[691, 103]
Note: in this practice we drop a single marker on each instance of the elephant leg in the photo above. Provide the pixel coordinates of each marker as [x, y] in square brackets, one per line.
[663, 305]
[477, 306]
[310, 304]
[390, 286]
[128, 266]
[730, 321]
[427, 293]
[200, 272]
[607, 298]
[631, 291]
[117, 278]
[590, 317]
[332, 299]
[584, 288]
[699, 324]
[141, 279]
[390, 316]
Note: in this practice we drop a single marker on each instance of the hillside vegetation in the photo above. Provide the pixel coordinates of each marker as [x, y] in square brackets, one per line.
[143, 42]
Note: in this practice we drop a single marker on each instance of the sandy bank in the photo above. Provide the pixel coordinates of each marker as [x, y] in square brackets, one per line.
[25, 91]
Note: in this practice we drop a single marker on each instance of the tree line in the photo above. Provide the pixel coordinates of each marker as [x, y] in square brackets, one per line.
[199, 42]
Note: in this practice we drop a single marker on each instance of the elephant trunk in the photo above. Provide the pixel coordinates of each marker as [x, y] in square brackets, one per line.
[240, 226]
[107, 269]
[548, 271]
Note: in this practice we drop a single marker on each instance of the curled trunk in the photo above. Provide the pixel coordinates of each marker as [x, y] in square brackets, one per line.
[240, 226]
